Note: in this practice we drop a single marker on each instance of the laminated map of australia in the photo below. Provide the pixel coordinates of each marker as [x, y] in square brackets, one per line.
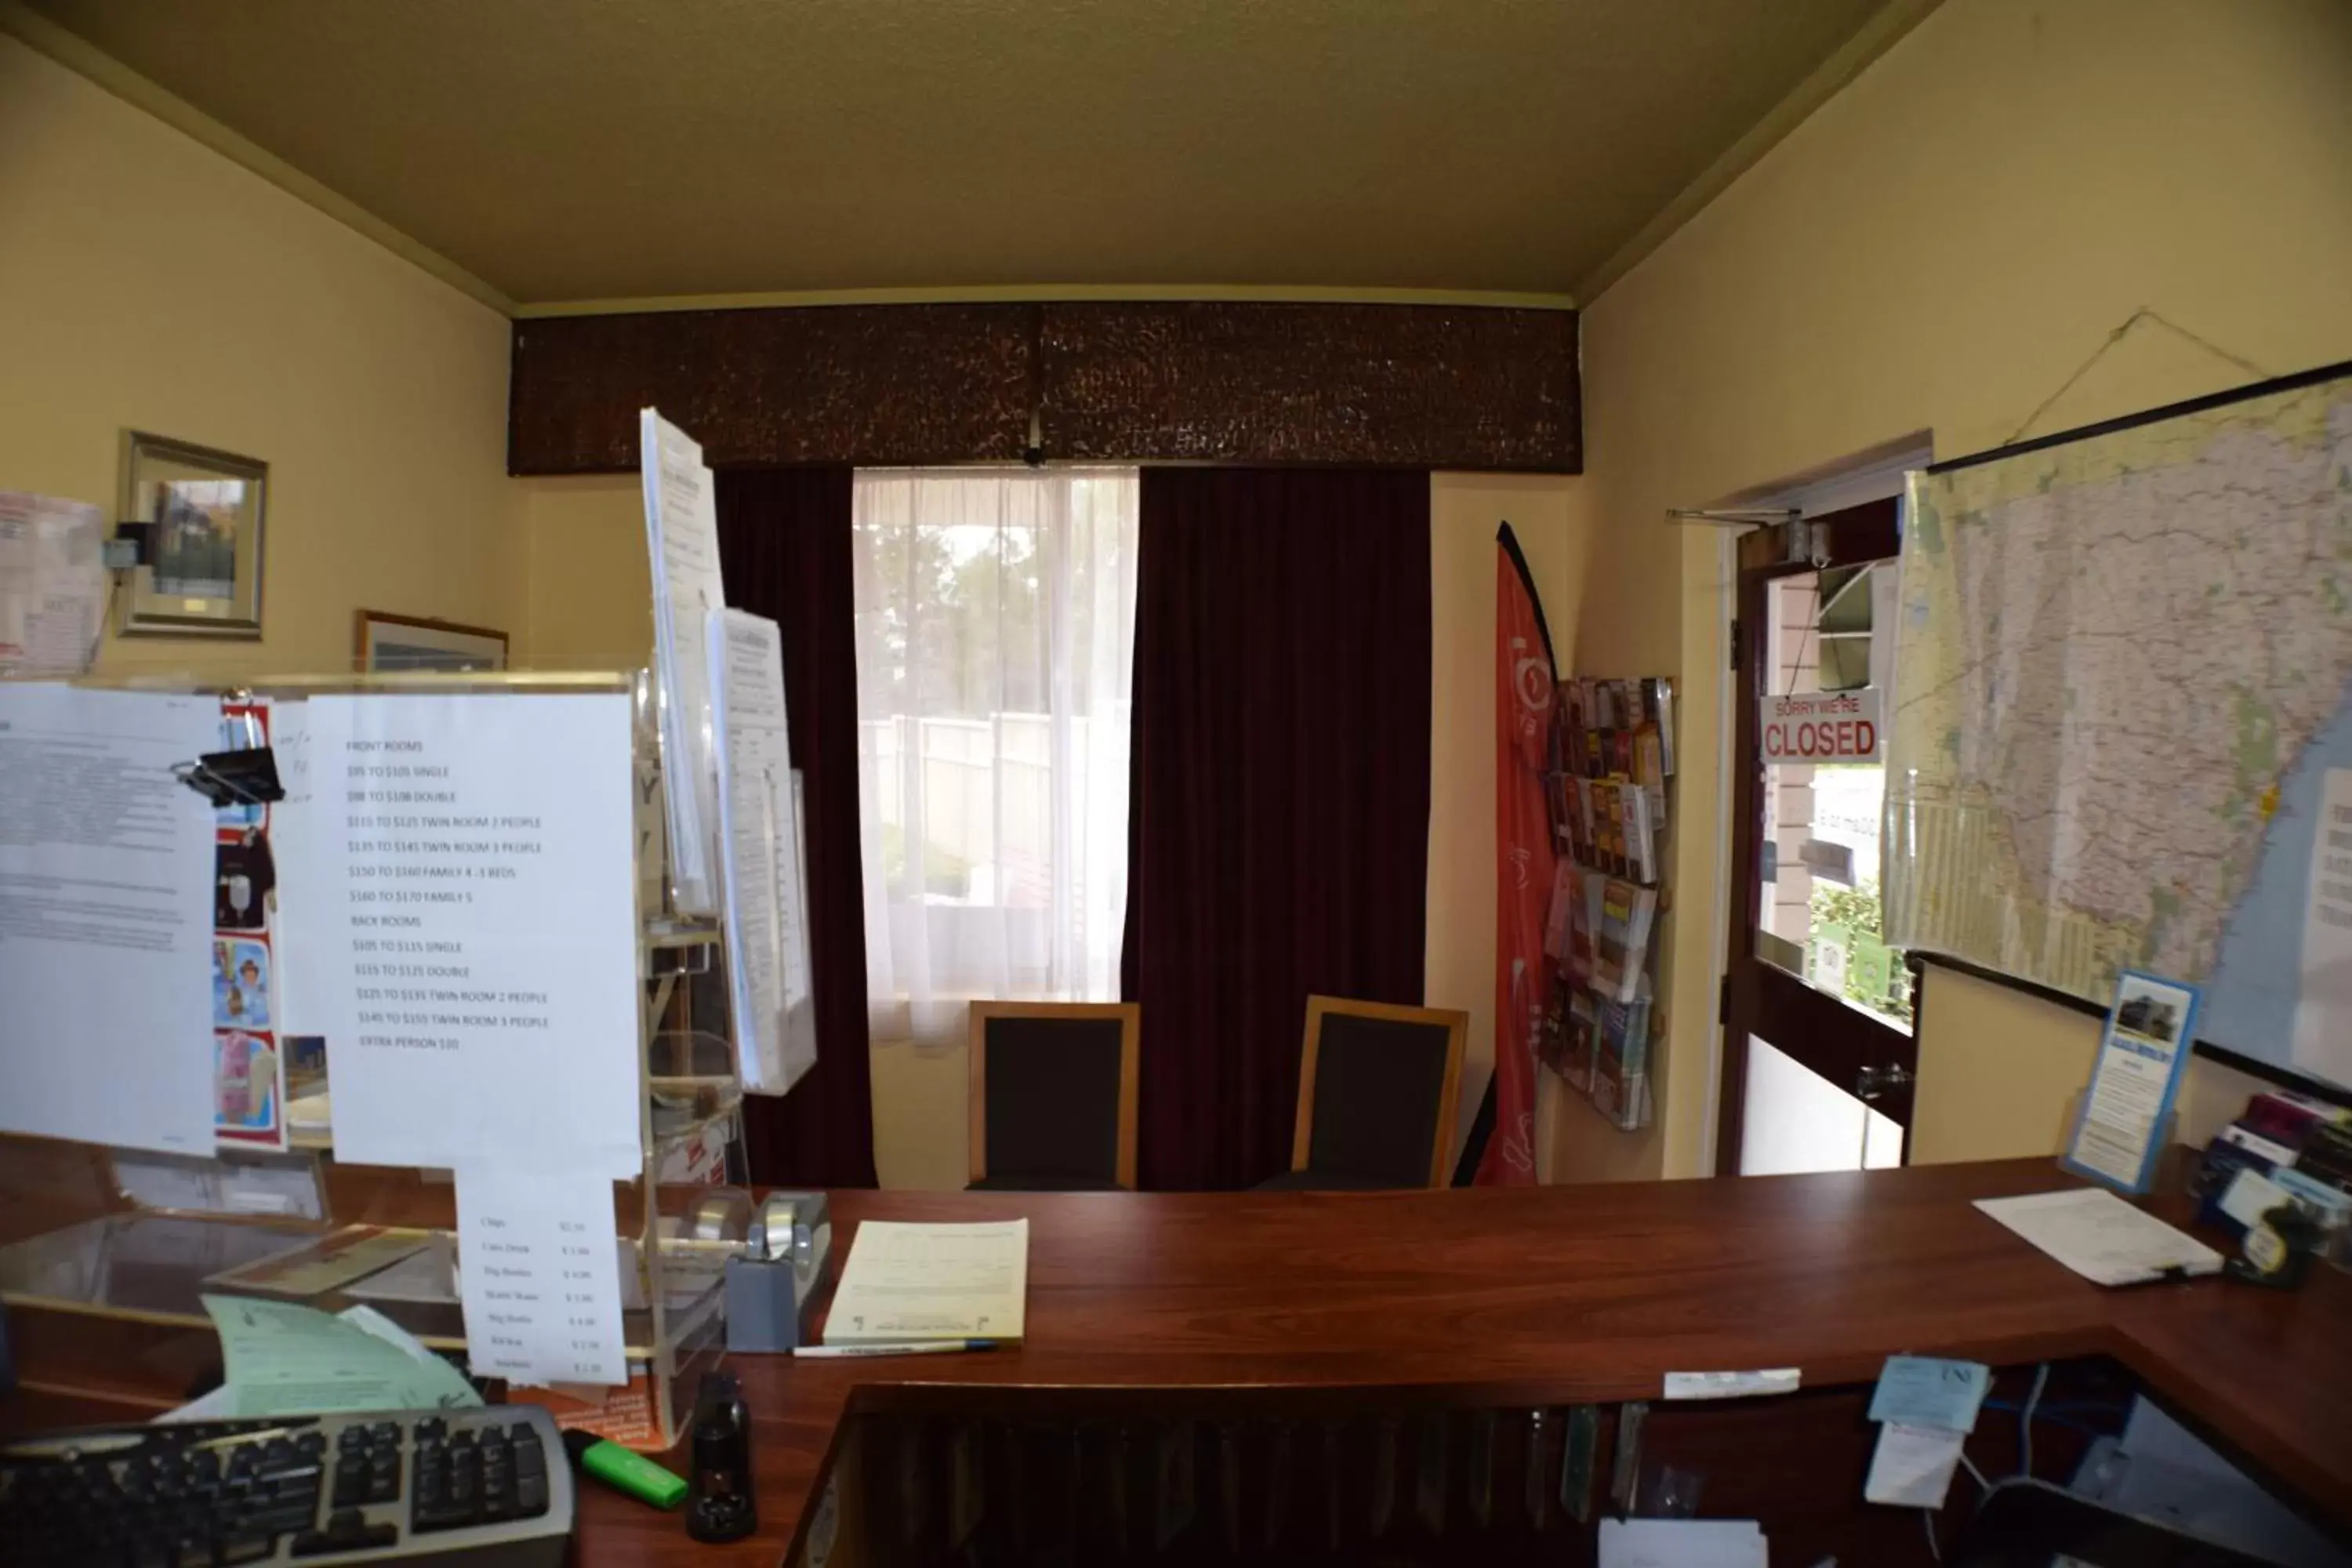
[2122, 734]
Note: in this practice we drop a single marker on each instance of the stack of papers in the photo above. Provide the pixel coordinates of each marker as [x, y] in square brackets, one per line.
[906, 1283]
[2101, 1238]
[1682, 1543]
[682, 533]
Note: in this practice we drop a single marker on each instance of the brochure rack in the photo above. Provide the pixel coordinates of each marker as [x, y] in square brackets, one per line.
[1611, 788]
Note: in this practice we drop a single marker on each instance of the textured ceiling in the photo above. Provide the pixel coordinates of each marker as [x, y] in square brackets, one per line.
[597, 149]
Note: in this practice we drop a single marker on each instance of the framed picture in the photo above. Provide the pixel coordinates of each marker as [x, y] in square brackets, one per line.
[202, 577]
[403, 642]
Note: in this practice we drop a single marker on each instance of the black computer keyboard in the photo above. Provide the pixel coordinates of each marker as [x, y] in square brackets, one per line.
[489, 1485]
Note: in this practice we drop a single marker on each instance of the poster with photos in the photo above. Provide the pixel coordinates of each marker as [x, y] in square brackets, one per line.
[248, 1068]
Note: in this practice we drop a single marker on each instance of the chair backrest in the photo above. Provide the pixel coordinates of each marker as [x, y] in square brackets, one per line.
[1053, 1090]
[1376, 1091]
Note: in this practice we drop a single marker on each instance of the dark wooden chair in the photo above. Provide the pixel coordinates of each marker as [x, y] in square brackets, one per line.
[1376, 1092]
[1053, 1096]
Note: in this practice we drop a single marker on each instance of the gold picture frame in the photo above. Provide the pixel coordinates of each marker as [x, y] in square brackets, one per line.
[206, 511]
[388, 642]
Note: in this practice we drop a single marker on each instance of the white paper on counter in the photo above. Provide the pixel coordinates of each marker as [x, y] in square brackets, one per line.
[476, 928]
[2101, 1238]
[1733, 1384]
[682, 540]
[1682, 1543]
[106, 911]
[767, 947]
[539, 1275]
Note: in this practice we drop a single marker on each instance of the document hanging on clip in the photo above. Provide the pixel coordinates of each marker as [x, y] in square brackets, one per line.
[682, 537]
[767, 931]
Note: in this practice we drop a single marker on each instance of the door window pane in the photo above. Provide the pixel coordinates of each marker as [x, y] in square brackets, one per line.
[1797, 1120]
[1817, 909]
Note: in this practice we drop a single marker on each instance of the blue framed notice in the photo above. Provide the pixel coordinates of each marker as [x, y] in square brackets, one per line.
[2119, 1127]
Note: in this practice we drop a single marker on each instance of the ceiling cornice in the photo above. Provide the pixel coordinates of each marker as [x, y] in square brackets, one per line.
[1048, 293]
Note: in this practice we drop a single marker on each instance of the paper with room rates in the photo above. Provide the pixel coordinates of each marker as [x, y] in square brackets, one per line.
[106, 931]
[682, 533]
[539, 1275]
[767, 946]
[932, 1282]
[474, 927]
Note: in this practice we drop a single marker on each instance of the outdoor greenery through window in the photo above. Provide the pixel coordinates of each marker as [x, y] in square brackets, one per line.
[995, 633]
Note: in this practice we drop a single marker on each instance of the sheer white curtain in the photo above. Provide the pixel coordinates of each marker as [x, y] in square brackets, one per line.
[996, 637]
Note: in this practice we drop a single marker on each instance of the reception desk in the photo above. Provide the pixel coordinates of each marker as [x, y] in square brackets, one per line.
[1268, 1318]
[1230, 1307]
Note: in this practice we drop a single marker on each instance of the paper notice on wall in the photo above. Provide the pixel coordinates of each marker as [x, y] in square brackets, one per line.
[682, 536]
[476, 928]
[539, 1275]
[52, 585]
[106, 904]
[767, 945]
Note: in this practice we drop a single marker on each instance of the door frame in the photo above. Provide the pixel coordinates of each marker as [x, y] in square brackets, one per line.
[1757, 997]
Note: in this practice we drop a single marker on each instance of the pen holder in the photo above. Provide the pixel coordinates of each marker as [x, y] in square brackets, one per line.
[772, 1289]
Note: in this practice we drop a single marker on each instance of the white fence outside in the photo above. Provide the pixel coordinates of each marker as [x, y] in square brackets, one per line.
[986, 799]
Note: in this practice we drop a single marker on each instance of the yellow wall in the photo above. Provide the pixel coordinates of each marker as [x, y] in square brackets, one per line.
[148, 282]
[589, 600]
[1938, 248]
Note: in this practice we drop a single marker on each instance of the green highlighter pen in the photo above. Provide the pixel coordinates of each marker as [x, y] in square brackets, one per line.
[623, 1470]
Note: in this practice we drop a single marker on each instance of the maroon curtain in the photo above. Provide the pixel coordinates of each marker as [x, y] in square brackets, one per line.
[783, 545]
[1278, 812]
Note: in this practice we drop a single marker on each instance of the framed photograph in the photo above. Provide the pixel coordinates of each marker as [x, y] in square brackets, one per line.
[403, 642]
[203, 573]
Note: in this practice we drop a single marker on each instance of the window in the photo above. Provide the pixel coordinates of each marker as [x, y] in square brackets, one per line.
[995, 633]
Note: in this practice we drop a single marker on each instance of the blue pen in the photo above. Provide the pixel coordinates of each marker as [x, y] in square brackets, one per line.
[917, 1347]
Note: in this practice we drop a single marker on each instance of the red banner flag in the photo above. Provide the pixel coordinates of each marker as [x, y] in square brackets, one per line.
[1523, 854]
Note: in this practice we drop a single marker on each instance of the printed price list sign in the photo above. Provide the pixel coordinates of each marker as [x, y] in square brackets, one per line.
[538, 1264]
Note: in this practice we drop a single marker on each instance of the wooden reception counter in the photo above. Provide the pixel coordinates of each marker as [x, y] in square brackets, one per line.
[1238, 1307]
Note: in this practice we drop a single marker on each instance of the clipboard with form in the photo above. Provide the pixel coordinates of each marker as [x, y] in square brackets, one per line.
[908, 1283]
